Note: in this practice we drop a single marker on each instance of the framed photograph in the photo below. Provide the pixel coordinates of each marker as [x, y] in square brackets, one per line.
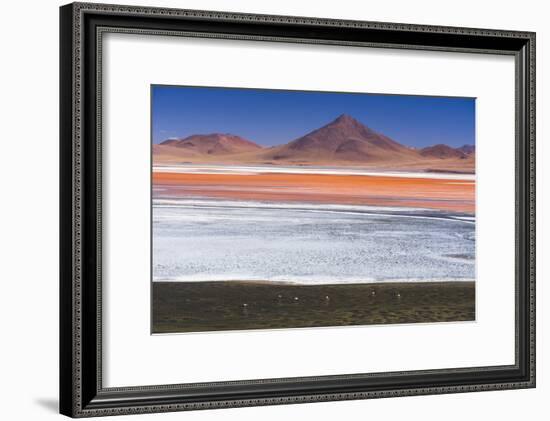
[261, 210]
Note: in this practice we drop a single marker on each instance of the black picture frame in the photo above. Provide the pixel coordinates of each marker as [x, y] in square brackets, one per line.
[81, 390]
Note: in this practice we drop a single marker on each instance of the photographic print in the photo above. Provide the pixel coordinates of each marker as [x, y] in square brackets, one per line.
[280, 209]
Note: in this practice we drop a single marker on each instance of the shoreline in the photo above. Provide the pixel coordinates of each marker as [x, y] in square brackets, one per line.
[393, 282]
[179, 307]
[312, 170]
[160, 200]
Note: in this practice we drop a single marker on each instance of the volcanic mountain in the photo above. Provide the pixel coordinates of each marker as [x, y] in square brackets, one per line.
[212, 144]
[344, 139]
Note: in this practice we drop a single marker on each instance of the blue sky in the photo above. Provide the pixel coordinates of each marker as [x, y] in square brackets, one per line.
[273, 117]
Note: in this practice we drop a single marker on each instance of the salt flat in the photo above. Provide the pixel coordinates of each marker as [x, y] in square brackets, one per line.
[244, 169]
[216, 240]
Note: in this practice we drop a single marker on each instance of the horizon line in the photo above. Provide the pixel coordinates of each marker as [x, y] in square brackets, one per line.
[305, 134]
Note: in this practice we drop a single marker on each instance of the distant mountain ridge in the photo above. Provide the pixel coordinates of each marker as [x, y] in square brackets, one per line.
[343, 141]
[213, 144]
[442, 151]
[467, 149]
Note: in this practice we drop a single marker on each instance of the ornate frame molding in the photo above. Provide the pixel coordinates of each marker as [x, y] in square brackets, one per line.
[82, 27]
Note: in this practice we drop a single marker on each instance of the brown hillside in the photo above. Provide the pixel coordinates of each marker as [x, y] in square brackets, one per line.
[212, 144]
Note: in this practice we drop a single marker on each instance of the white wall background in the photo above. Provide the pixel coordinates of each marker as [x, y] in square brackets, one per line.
[29, 220]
